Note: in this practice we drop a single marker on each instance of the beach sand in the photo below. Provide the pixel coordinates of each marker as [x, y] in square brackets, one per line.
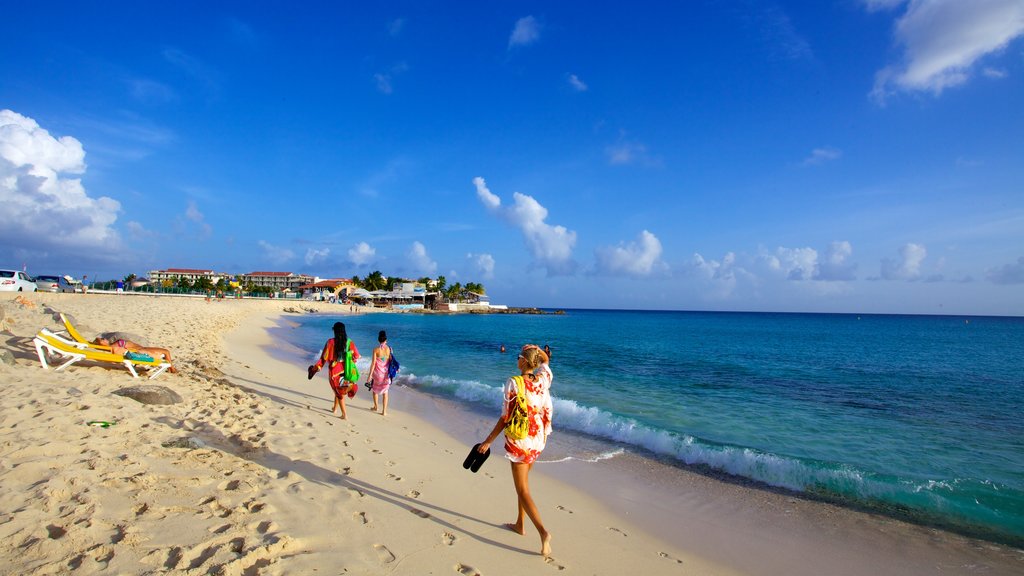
[252, 474]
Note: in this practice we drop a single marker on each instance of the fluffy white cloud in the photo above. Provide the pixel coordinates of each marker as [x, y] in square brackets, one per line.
[908, 266]
[943, 39]
[721, 275]
[551, 246]
[1008, 274]
[313, 255]
[806, 263]
[43, 208]
[525, 32]
[420, 261]
[484, 264]
[361, 254]
[639, 258]
[836, 265]
[276, 254]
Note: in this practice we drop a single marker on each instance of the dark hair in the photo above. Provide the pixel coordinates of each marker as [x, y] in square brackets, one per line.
[382, 336]
[340, 339]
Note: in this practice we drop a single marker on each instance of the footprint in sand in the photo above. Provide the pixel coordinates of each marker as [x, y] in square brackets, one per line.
[413, 494]
[448, 538]
[670, 557]
[551, 562]
[395, 478]
[564, 509]
[230, 485]
[614, 529]
[419, 512]
[385, 555]
[466, 570]
[361, 518]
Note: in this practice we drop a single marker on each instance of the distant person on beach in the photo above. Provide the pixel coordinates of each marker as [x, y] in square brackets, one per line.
[338, 353]
[378, 380]
[120, 346]
[533, 366]
[120, 287]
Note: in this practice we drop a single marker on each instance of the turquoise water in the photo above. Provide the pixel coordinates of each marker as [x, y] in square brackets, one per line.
[917, 416]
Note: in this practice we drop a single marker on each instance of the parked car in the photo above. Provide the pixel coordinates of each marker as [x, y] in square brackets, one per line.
[16, 281]
[48, 283]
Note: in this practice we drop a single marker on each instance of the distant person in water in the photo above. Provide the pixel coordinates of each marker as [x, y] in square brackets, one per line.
[547, 350]
[378, 380]
[338, 352]
[532, 363]
[502, 348]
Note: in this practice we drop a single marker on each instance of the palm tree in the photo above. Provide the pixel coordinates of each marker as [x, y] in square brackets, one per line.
[375, 281]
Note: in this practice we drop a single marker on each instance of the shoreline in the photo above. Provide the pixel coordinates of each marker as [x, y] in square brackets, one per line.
[279, 485]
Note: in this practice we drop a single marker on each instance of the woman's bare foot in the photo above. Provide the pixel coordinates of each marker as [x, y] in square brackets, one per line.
[517, 528]
[545, 545]
[383, 413]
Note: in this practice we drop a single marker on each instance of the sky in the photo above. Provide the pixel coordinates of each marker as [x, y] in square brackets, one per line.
[856, 156]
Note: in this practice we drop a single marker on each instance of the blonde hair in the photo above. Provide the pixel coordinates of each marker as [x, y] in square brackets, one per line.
[534, 356]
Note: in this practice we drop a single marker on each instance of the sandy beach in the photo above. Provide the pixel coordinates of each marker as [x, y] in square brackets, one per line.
[251, 474]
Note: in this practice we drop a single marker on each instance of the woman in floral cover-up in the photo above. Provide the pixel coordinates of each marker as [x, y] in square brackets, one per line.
[536, 374]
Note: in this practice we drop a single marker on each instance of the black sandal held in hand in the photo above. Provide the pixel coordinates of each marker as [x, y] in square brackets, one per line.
[475, 459]
[311, 371]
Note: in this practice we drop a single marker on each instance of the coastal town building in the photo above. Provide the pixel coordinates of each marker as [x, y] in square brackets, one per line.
[190, 274]
[279, 281]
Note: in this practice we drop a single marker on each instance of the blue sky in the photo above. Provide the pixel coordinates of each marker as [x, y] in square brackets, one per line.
[836, 156]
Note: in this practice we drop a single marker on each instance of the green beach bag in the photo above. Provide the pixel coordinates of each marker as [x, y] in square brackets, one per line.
[351, 372]
[518, 425]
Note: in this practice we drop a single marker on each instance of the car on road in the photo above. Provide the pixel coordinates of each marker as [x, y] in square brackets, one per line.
[16, 281]
[47, 283]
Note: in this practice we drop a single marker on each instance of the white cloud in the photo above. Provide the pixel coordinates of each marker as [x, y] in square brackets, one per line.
[42, 207]
[193, 214]
[994, 73]
[875, 5]
[361, 254]
[313, 255]
[396, 26]
[943, 39]
[1008, 274]
[836, 265]
[822, 155]
[721, 275]
[908, 266]
[625, 153]
[138, 231]
[484, 264]
[807, 264]
[639, 258]
[420, 261]
[385, 80]
[577, 84]
[551, 246]
[276, 254]
[525, 32]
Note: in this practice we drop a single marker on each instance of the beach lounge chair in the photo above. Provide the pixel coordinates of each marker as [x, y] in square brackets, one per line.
[47, 343]
[77, 336]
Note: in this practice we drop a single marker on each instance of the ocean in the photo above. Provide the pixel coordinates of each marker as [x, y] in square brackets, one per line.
[918, 417]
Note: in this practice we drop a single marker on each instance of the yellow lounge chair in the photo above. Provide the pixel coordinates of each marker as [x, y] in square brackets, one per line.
[77, 337]
[47, 343]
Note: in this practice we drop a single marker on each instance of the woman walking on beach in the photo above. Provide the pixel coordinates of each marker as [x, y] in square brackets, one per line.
[536, 376]
[340, 355]
[379, 380]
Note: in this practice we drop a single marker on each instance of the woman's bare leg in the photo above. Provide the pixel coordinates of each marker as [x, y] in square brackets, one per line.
[521, 479]
[384, 404]
[374, 402]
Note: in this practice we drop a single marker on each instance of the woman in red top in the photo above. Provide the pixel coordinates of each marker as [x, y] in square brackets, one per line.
[336, 355]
